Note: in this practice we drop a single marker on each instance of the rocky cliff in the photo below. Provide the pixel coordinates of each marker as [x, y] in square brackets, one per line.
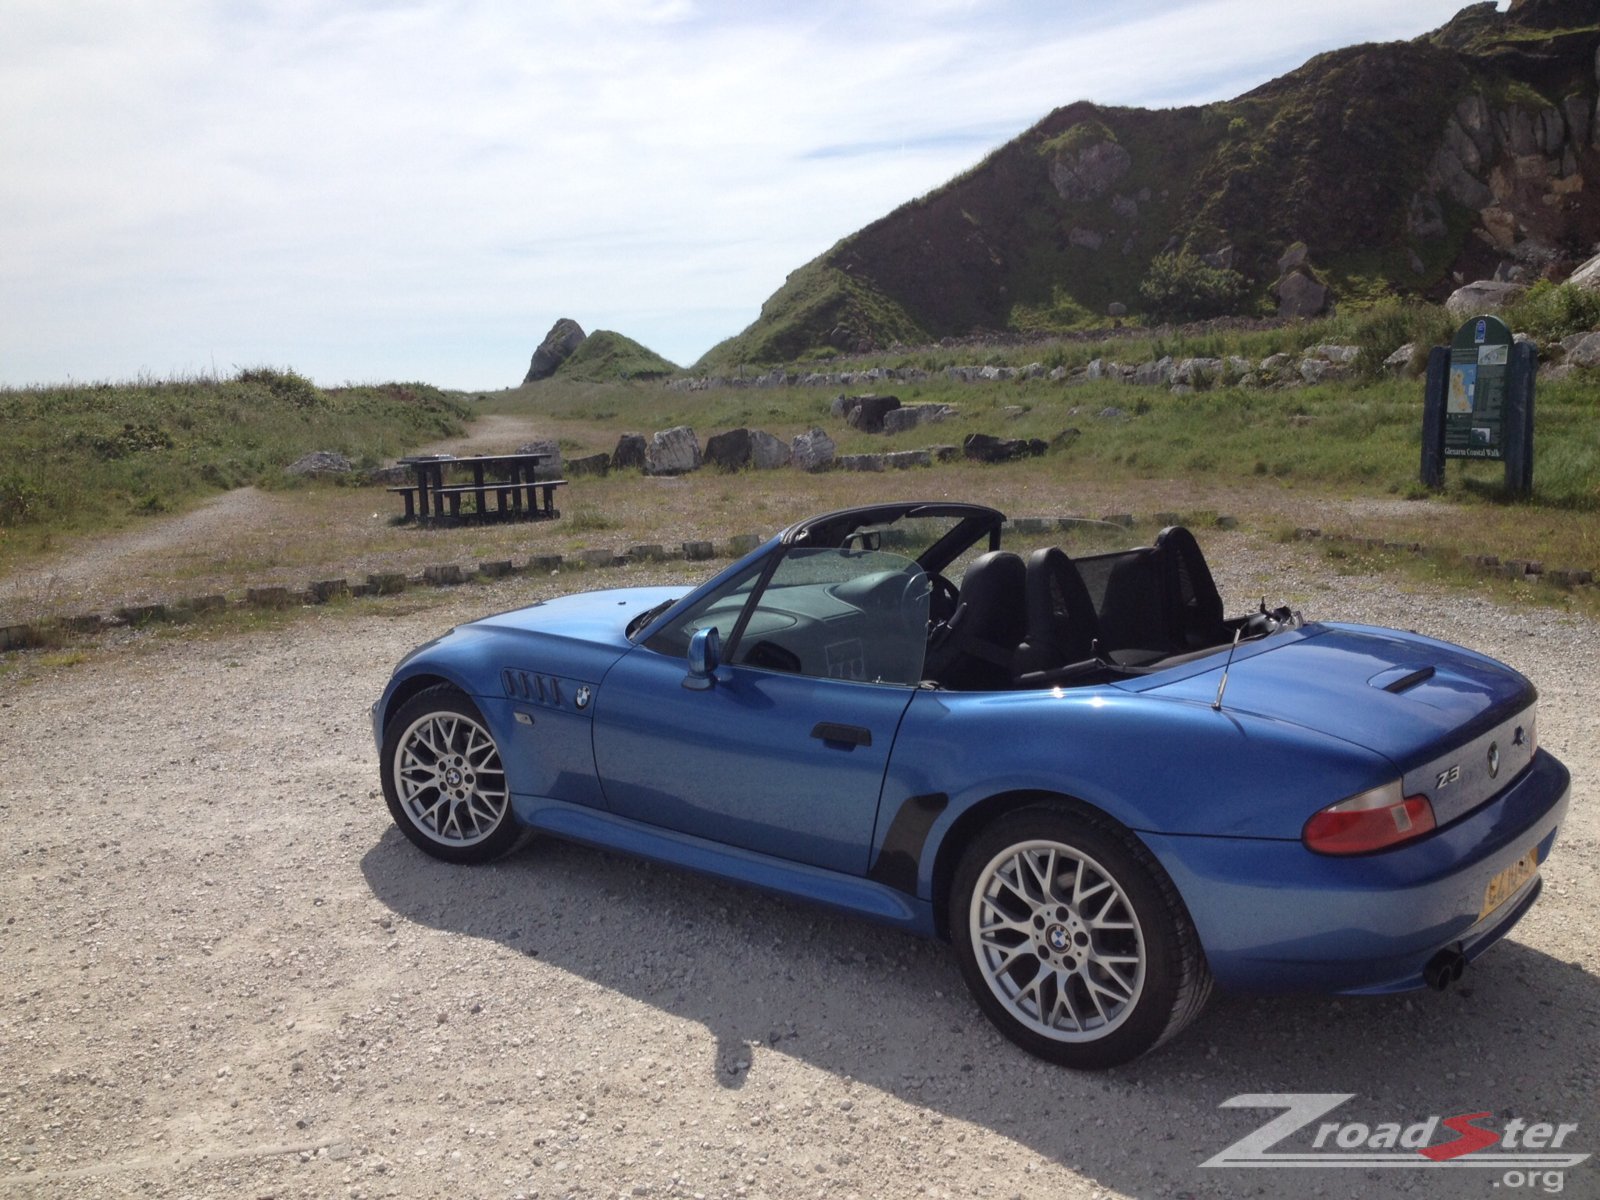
[1410, 167]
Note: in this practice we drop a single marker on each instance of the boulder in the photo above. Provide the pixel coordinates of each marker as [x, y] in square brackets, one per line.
[674, 451]
[1483, 296]
[730, 451]
[1343, 356]
[900, 460]
[589, 464]
[1155, 374]
[1318, 370]
[550, 468]
[767, 452]
[1583, 350]
[1198, 371]
[565, 336]
[1399, 363]
[629, 452]
[866, 413]
[1300, 296]
[859, 462]
[1116, 309]
[1587, 276]
[319, 462]
[396, 475]
[812, 450]
[909, 416]
[985, 448]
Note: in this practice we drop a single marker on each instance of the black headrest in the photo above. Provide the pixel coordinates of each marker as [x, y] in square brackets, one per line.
[992, 594]
[1197, 594]
[1060, 611]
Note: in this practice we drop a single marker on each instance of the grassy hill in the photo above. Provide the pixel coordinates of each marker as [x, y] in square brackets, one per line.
[605, 356]
[92, 456]
[1395, 167]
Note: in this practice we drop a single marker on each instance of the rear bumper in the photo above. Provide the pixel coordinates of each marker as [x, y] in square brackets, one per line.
[1274, 917]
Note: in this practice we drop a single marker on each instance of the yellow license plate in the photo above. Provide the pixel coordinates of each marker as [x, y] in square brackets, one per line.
[1506, 884]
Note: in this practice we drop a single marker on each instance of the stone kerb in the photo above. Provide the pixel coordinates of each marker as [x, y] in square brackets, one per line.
[52, 631]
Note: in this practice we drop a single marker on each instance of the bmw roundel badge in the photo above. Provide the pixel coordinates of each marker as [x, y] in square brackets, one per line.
[582, 698]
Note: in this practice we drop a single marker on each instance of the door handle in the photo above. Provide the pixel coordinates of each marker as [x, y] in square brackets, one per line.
[848, 735]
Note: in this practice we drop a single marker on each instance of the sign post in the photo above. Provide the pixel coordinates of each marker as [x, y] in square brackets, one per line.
[1479, 403]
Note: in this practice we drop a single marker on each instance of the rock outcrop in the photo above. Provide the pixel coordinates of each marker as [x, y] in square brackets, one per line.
[565, 336]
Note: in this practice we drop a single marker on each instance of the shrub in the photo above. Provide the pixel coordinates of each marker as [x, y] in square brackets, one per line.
[1551, 311]
[1183, 287]
[20, 501]
[284, 385]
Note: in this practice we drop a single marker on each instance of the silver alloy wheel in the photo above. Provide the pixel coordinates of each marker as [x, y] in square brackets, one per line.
[449, 779]
[1057, 941]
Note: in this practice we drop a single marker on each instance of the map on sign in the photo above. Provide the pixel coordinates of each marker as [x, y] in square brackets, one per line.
[1463, 380]
[1475, 396]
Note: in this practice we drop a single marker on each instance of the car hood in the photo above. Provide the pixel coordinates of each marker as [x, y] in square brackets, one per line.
[1407, 697]
[596, 618]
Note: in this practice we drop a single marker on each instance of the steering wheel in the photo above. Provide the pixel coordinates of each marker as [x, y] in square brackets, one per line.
[914, 592]
[946, 596]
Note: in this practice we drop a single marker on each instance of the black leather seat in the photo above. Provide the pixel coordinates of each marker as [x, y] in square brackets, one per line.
[1195, 612]
[1062, 627]
[977, 649]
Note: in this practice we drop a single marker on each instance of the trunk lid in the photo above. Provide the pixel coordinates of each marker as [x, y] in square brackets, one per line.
[1458, 726]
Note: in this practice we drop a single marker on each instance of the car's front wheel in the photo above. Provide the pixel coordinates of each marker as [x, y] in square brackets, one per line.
[1073, 940]
[444, 779]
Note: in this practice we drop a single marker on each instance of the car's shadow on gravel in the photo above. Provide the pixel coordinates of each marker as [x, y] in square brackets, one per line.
[767, 976]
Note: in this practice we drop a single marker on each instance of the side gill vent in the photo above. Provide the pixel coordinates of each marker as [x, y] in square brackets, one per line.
[527, 685]
[520, 684]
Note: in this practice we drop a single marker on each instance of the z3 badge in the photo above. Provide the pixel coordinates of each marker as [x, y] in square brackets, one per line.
[1447, 777]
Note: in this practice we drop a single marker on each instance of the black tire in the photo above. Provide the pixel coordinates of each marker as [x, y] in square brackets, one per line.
[444, 779]
[1092, 969]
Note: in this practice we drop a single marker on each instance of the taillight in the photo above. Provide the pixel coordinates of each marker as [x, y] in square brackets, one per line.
[1374, 820]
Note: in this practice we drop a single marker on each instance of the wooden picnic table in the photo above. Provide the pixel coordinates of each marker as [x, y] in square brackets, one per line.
[511, 478]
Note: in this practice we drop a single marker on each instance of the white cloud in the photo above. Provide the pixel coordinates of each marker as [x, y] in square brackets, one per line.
[419, 189]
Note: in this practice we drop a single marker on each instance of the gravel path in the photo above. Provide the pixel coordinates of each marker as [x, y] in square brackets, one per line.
[226, 974]
[91, 568]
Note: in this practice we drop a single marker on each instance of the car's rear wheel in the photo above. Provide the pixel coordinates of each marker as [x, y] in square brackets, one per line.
[444, 779]
[1073, 940]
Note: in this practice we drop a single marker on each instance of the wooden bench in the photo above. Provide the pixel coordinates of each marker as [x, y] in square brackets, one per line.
[508, 498]
[409, 495]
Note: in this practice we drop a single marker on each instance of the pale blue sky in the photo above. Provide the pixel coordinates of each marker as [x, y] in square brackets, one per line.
[418, 189]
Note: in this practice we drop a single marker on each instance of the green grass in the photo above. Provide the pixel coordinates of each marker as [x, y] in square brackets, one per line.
[605, 356]
[84, 459]
[79, 458]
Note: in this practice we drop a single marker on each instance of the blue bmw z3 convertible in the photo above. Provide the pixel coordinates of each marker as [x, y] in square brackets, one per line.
[1105, 791]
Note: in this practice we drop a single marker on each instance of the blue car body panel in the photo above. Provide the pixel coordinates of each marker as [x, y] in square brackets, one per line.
[748, 779]
[739, 762]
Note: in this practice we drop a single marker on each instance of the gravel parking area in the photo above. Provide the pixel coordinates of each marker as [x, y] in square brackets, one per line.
[224, 973]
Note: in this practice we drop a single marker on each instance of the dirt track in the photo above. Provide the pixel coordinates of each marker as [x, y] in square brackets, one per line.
[226, 974]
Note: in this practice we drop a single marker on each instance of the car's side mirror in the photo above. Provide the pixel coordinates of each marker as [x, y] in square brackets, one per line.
[705, 654]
